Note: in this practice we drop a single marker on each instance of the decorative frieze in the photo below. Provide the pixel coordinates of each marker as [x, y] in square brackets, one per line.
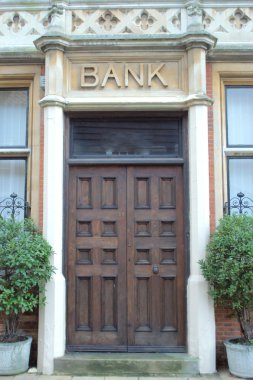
[126, 21]
[228, 24]
[15, 27]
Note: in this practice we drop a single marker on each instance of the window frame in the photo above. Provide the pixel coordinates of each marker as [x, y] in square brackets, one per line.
[232, 151]
[239, 146]
[27, 77]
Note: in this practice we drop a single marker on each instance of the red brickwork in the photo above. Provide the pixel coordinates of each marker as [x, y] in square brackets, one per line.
[30, 323]
[41, 168]
[226, 326]
[209, 89]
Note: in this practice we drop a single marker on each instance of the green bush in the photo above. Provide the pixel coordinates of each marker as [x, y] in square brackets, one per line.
[24, 270]
[228, 268]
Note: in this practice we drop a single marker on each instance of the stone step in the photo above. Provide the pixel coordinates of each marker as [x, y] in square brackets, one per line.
[126, 364]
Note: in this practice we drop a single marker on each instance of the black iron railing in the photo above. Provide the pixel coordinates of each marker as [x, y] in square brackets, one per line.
[239, 205]
[14, 207]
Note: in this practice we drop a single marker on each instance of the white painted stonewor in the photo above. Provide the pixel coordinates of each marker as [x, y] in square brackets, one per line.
[201, 321]
[52, 317]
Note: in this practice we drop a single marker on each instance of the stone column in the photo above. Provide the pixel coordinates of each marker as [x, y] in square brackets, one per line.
[52, 317]
[201, 322]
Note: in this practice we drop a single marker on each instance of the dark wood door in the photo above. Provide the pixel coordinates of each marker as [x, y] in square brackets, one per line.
[155, 252]
[125, 259]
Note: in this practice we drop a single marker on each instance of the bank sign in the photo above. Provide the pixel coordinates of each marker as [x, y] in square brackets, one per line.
[123, 75]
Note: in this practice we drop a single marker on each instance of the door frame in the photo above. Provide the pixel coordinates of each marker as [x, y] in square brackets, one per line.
[183, 161]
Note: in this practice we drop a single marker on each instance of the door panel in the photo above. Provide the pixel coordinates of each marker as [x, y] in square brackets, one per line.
[126, 271]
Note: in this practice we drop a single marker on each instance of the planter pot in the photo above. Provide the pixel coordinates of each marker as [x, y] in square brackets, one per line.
[14, 357]
[240, 358]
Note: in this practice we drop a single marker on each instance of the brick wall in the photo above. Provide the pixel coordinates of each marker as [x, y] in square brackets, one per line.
[226, 326]
[41, 168]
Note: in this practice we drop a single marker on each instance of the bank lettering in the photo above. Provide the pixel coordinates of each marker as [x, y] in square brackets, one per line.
[142, 73]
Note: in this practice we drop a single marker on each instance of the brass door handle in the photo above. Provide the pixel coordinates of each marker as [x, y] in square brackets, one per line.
[155, 269]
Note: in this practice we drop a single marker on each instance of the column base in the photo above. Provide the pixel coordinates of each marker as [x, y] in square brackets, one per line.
[201, 324]
[52, 325]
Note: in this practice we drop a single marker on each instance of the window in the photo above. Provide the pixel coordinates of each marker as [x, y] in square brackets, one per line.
[124, 138]
[239, 144]
[13, 143]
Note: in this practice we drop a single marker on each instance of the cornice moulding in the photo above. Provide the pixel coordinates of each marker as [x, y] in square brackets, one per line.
[21, 55]
[126, 103]
[226, 52]
[182, 41]
[104, 4]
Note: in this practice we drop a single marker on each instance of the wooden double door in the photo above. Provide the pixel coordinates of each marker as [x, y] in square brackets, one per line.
[125, 259]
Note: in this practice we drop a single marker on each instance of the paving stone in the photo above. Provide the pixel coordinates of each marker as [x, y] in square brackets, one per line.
[121, 378]
[226, 375]
[53, 377]
[88, 378]
[26, 376]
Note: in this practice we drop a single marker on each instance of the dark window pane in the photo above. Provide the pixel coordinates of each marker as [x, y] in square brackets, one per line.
[126, 138]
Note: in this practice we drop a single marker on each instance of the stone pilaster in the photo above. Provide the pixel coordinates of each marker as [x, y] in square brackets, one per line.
[201, 322]
[52, 317]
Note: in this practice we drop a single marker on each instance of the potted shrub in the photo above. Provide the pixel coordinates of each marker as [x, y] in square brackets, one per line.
[24, 270]
[228, 268]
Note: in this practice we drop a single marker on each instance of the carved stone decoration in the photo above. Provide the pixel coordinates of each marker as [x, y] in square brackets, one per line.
[56, 17]
[145, 20]
[108, 20]
[34, 32]
[90, 31]
[239, 19]
[194, 9]
[76, 21]
[221, 29]
[16, 23]
[126, 21]
[176, 20]
[194, 12]
[46, 21]
[206, 20]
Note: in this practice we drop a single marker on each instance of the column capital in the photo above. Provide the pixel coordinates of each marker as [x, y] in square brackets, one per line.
[52, 41]
[53, 101]
[201, 40]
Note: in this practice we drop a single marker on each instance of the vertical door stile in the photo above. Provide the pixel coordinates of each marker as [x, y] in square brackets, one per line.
[130, 257]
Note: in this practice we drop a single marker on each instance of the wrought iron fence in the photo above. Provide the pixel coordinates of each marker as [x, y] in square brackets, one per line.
[14, 207]
[239, 205]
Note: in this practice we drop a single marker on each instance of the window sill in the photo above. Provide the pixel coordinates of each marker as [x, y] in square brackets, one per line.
[238, 151]
[12, 152]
